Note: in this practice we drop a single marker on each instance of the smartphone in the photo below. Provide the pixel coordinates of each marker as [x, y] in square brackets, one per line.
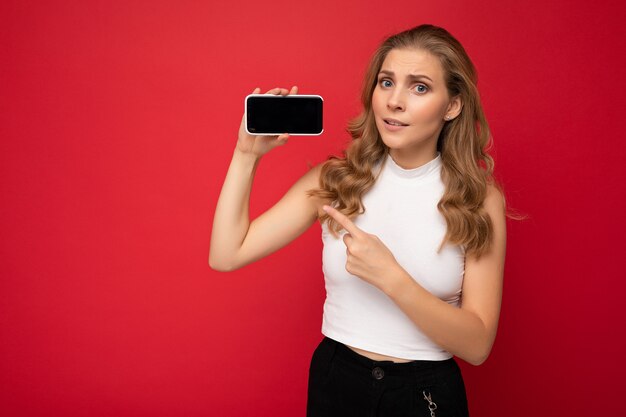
[268, 114]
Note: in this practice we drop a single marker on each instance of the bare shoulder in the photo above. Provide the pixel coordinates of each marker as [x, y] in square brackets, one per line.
[494, 202]
[495, 206]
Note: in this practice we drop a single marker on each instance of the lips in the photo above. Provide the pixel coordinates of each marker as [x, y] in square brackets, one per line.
[394, 122]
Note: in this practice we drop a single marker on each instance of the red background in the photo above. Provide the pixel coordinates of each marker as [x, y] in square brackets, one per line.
[117, 124]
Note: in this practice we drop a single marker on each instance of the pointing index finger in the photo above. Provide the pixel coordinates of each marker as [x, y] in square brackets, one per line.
[343, 220]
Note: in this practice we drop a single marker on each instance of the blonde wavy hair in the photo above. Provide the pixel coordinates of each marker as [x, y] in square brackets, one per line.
[463, 143]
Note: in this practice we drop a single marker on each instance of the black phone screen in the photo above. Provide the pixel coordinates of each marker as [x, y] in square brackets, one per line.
[270, 114]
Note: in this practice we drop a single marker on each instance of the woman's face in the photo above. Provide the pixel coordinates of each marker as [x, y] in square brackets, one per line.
[409, 103]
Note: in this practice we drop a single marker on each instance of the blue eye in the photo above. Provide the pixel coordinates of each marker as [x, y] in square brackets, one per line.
[421, 88]
[385, 83]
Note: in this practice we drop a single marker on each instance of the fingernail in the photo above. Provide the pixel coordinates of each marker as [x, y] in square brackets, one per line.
[325, 208]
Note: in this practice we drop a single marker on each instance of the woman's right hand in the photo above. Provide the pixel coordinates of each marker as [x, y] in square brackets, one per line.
[260, 145]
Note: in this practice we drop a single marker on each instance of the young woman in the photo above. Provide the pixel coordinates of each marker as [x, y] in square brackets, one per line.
[413, 226]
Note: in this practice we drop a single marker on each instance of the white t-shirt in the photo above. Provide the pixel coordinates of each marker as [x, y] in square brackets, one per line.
[401, 209]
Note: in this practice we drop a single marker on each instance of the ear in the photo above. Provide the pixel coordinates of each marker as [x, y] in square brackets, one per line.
[453, 109]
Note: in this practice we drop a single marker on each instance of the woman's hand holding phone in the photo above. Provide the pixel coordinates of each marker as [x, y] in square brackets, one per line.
[260, 145]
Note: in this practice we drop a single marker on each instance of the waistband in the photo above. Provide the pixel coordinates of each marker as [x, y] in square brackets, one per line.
[423, 368]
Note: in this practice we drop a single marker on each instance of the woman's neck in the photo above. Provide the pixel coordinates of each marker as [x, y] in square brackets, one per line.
[408, 160]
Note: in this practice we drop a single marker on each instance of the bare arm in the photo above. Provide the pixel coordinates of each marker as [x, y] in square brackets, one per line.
[235, 242]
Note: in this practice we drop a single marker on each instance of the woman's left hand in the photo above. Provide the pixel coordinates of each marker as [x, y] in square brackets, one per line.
[368, 257]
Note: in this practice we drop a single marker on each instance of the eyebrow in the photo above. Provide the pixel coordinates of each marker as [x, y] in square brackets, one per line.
[411, 76]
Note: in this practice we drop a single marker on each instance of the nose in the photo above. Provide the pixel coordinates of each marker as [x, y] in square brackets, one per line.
[395, 101]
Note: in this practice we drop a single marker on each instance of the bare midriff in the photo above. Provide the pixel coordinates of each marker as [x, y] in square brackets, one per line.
[378, 357]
